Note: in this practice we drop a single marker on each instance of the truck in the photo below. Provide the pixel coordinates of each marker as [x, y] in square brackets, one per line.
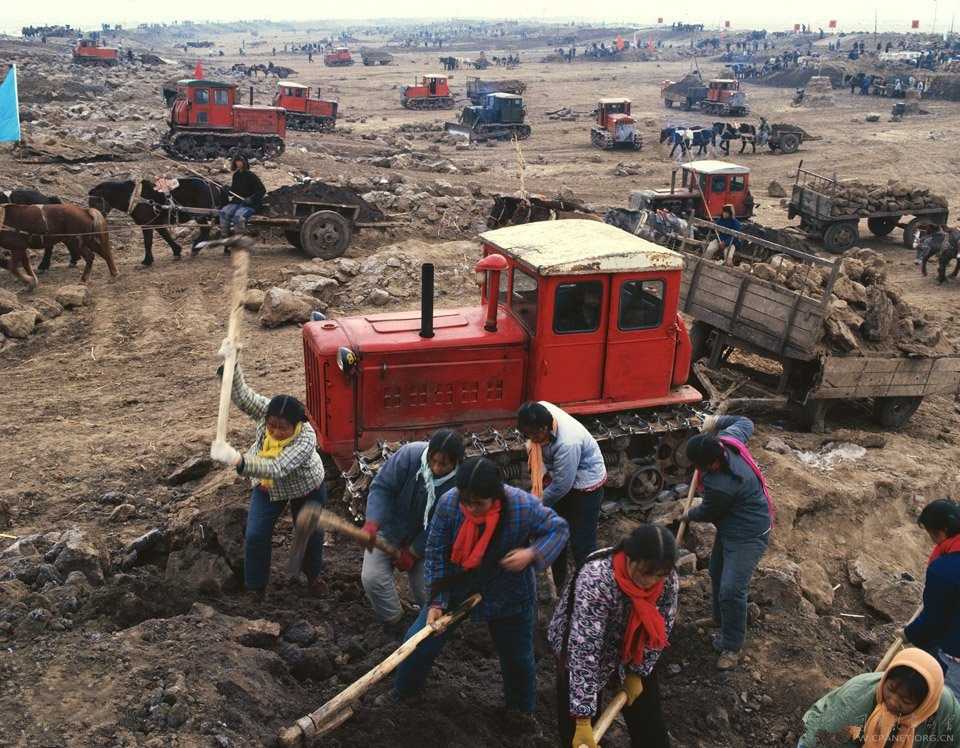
[304, 113]
[477, 89]
[721, 96]
[431, 92]
[91, 53]
[375, 57]
[620, 365]
[338, 58]
[831, 210]
[705, 187]
[736, 311]
[207, 123]
[500, 117]
[615, 127]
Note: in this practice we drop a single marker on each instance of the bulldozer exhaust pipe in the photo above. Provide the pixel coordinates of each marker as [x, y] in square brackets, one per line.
[426, 300]
[251, 95]
[493, 265]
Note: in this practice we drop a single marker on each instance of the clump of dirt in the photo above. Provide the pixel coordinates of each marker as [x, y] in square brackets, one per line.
[281, 200]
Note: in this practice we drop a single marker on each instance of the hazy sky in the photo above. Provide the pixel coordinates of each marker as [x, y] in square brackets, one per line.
[855, 15]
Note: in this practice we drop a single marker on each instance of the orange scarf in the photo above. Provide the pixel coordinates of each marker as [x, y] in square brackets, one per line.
[535, 463]
[881, 721]
[470, 545]
[950, 545]
[645, 627]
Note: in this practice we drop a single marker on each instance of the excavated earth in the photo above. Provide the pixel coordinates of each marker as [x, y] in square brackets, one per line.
[121, 618]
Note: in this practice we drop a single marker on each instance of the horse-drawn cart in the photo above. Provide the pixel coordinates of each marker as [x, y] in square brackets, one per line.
[788, 138]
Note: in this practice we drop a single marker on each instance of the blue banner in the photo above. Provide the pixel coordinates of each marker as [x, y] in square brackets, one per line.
[9, 108]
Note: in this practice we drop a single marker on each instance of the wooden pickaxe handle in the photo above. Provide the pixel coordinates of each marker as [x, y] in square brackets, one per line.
[606, 719]
[238, 286]
[897, 643]
[681, 531]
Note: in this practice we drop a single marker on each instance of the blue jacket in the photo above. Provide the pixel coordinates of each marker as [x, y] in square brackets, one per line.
[572, 457]
[397, 497]
[938, 625]
[734, 503]
[726, 239]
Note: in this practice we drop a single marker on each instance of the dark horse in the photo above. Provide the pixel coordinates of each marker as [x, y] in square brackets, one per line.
[83, 230]
[151, 211]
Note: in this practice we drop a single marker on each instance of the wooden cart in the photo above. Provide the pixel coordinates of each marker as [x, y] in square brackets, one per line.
[788, 138]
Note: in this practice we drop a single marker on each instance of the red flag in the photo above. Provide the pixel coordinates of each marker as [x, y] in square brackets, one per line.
[198, 71]
[660, 20]
[832, 24]
[796, 27]
[650, 44]
[726, 24]
[619, 42]
[914, 24]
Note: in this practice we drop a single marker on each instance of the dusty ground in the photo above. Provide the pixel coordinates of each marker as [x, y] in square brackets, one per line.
[106, 400]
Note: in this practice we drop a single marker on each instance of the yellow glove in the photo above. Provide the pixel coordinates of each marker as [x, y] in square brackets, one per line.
[584, 734]
[632, 686]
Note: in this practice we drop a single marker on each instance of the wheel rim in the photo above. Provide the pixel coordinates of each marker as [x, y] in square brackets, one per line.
[645, 483]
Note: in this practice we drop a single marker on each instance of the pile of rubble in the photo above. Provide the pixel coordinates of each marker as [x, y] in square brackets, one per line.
[818, 93]
[19, 320]
[862, 198]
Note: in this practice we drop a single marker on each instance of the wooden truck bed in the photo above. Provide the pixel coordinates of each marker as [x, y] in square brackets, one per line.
[886, 375]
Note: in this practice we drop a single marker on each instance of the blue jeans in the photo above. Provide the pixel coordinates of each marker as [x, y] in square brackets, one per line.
[581, 510]
[513, 638]
[258, 541]
[951, 676]
[235, 213]
[732, 563]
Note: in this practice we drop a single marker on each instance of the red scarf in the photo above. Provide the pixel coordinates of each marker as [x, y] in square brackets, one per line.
[950, 545]
[645, 627]
[469, 547]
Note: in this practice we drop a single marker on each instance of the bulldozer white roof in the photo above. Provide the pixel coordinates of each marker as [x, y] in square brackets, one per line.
[291, 84]
[709, 166]
[614, 101]
[580, 247]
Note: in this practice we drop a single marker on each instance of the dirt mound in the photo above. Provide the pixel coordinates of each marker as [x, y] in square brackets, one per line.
[281, 200]
[797, 77]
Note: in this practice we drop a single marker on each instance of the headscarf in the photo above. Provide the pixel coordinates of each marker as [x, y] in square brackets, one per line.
[882, 721]
[535, 463]
[950, 545]
[645, 627]
[469, 547]
[432, 483]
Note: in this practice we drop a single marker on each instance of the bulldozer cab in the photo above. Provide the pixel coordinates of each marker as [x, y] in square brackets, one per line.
[508, 107]
[291, 95]
[436, 84]
[719, 183]
[595, 302]
[203, 102]
[607, 107]
[722, 88]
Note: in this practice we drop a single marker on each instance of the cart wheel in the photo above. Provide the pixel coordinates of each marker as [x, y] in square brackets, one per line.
[325, 234]
[880, 226]
[910, 231]
[839, 237]
[893, 412]
[789, 142]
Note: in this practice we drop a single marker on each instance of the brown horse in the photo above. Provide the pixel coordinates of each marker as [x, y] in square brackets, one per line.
[83, 230]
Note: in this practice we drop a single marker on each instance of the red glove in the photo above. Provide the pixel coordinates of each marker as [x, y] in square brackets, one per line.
[371, 528]
[405, 561]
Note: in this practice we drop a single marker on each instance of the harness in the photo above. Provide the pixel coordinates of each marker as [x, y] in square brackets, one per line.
[134, 196]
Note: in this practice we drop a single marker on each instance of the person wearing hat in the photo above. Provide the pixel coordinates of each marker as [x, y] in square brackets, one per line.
[736, 501]
[285, 468]
[244, 197]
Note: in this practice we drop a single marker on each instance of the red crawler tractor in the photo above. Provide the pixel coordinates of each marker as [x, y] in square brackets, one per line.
[575, 312]
[615, 127]
[90, 52]
[432, 92]
[304, 113]
[340, 57]
[206, 123]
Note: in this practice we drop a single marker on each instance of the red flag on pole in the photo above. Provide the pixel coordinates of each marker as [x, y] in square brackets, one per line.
[198, 71]
[796, 27]
[726, 24]
[914, 24]
[650, 44]
[832, 24]
[660, 19]
[619, 42]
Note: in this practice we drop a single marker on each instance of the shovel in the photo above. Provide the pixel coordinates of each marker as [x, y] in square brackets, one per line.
[312, 516]
[897, 644]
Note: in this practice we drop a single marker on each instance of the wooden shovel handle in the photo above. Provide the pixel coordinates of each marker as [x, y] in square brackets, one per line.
[606, 719]
[681, 531]
[241, 265]
[897, 643]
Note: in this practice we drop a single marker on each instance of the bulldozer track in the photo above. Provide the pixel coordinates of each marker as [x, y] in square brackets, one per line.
[643, 452]
[504, 132]
[431, 102]
[310, 122]
[207, 146]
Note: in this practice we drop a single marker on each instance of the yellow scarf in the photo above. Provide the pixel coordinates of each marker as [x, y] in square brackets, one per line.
[535, 463]
[881, 721]
[271, 448]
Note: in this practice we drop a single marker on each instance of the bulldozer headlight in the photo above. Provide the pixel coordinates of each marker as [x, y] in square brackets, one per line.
[346, 359]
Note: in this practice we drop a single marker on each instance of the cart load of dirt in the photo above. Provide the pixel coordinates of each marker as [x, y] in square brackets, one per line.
[864, 314]
[687, 84]
[282, 199]
[854, 197]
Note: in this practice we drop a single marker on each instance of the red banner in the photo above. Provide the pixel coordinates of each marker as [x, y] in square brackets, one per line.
[726, 24]
[660, 20]
[832, 24]
[914, 24]
[796, 27]
[650, 44]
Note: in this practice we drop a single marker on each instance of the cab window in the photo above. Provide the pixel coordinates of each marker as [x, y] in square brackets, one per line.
[718, 183]
[523, 299]
[703, 182]
[221, 96]
[641, 304]
[201, 96]
[578, 307]
[737, 183]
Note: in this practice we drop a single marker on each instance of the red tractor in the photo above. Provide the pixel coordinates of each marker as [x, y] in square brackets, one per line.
[705, 188]
[206, 123]
[431, 93]
[615, 127]
[575, 312]
[340, 57]
[90, 52]
[725, 98]
[304, 113]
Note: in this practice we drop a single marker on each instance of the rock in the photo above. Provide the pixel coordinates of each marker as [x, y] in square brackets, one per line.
[839, 335]
[122, 513]
[852, 293]
[281, 306]
[193, 469]
[18, 323]
[894, 598]
[253, 299]
[8, 301]
[318, 286]
[777, 588]
[227, 526]
[873, 117]
[315, 665]
[78, 551]
[207, 572]
[47, 308]
[879, 319]
[72, 296]
[259, 633]
[302, 633]
[775, 189]
[815, 585]
[114, 498]
[378, 297]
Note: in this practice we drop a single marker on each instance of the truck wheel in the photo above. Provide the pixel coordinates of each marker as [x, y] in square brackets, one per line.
[893, 412]
[881, 226]
[325, 234]
[789, 142]
[839, 237]
[910, 232]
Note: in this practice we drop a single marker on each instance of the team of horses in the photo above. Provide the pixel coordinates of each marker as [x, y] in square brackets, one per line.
[31, 220]
[703, 138]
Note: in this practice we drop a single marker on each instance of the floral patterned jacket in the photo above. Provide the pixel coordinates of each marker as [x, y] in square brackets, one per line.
[599, 622]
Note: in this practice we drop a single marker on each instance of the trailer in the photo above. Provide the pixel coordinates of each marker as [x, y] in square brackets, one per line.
[826, 212]
[477, 89]
[739, 311]
[788, 138]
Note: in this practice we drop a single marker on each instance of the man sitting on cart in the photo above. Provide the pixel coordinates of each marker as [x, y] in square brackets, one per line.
[726, 242]
[245, 197]
[763, 132]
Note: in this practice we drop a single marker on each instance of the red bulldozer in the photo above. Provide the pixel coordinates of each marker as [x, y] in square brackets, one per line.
[90, 52]
[207, 123]
[615, 127]
[340, 57]
[304, 113]
[432, 92]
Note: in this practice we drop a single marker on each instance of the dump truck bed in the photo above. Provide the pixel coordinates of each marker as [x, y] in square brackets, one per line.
[886, 375]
